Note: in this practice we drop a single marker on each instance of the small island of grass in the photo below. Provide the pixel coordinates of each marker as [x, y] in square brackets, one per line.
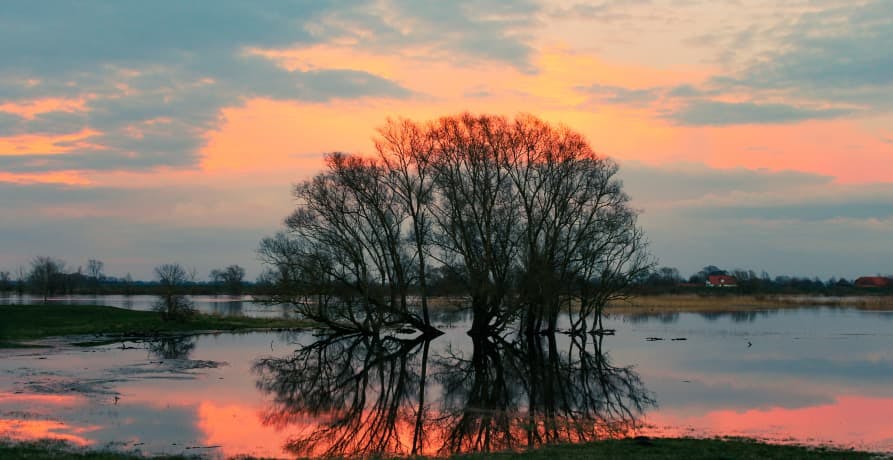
[23, 323]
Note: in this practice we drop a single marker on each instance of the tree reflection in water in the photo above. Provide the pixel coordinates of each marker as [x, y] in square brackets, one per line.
[360, 388]
[178, 347]
[359, 396]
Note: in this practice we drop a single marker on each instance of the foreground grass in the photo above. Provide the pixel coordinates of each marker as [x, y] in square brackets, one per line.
[651, 449]
[47, 450]
[655, 449]
[671, 303]
[30, 322]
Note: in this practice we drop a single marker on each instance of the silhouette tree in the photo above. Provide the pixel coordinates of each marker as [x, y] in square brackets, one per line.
[524, 214]
[230, 278]
[348, 236]
[172, 303]
[5, 281]
[46, 276]
[94, 271]
[128, 284]
[21, 279]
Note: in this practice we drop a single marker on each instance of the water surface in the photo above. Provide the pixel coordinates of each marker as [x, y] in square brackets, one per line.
[226, 305]
[814, 376]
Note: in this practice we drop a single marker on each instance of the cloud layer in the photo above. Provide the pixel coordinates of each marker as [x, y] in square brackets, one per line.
[752, 133]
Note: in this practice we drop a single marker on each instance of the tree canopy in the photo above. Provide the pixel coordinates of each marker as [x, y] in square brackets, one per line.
[523, 213]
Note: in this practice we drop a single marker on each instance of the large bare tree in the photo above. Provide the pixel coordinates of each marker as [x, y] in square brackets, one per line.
[529, 218]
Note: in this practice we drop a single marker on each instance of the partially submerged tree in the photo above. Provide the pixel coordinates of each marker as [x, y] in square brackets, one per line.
[524, 214]
[172, 303]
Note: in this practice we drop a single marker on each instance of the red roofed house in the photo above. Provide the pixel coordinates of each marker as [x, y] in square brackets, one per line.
[721, 281]
[873, 282]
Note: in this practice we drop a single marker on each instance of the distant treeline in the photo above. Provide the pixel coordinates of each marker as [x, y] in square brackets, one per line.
[667, 280]
[47, 276]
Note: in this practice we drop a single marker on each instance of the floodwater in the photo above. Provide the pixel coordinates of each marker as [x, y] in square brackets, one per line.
[226, 305]
[816, 376]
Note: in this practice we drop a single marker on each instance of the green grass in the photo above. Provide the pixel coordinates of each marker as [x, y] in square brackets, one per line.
[652, 449]
[55, 450]
[687, 448]
[29, 322]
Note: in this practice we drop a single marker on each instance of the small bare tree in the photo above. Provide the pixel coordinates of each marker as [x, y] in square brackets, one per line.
[172, 303]
[21, 279]
[94, 271]
[5, 281]
[128, 284]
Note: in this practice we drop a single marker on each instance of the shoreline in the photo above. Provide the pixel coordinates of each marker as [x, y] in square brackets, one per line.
[641, 448]
[696, 303]
[24, 324]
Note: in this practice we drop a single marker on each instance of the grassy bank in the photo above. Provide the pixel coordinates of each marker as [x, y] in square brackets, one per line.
[20, 323]
[652, 449]
[732, 302]
[694, 449]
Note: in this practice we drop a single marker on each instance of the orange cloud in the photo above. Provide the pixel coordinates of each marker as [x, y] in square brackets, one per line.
[838, 148]
[32, 108]
[267, 134]
[58, 177]
[39, 144]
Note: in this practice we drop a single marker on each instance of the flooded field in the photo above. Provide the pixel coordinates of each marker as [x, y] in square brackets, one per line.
[226, 305]
[814, 376]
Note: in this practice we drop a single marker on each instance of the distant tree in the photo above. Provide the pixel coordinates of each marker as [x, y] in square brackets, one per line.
[709, 270]
[46, 276]
[230, 278]
[5, 281]
[128, 284]
[663, 276]
[267, 277]
[21, 275]
[94, 271]
[216, 277]
[172, 303]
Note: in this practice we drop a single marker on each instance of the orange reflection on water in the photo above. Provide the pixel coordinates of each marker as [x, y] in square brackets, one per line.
[241, 430]
[26, 429]
[37, 398]
[853, 421]
[238, 430]
[30, 430]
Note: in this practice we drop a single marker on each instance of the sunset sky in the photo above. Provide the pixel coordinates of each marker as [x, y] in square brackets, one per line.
[751, 134]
